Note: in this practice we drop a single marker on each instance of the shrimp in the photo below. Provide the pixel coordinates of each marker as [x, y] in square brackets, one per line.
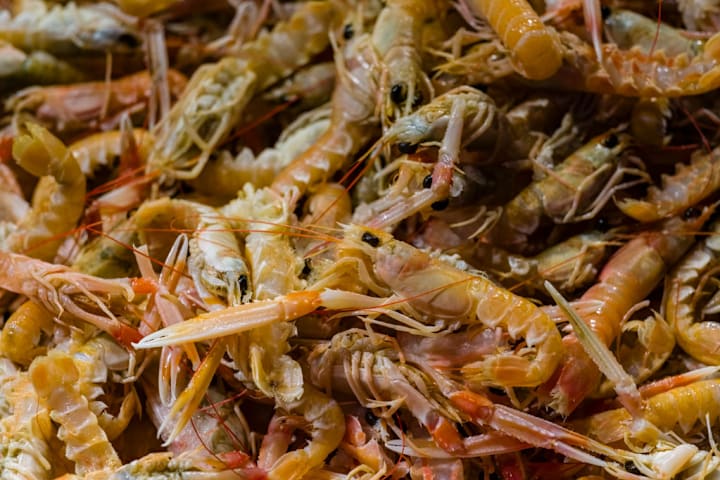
[24, 427]
[54, 378]
[326, 426]
[689, 185]
[575, 190]
[636, 74]
[368, 366]
[59, 196]
[92, 104]
[218, 93]
[61, 290]
[627, 278]
[108, 255]
[535, 49]
[396, 36]
[69, 29]
[225, 176]
[24, 333]
[446, 294]
[461, 116]
[684, 291]
[220, 272]
[351, 123]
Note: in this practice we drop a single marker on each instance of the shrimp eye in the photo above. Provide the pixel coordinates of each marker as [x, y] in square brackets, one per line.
[370, 417]
[407, 147]
[306, 269]
[602, 224]
[691, 212]
[605, 12]
[128, 40]
[427, 181]
[370, 239]
[611, 141]
[398, 93]
[348, 31]
[440, 205]
[243, 284]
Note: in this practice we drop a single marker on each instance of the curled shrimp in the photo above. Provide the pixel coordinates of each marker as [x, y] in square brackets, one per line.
[59, 196]
[54, 378]
[454, 297]
[627, 278]
[534, 48]
[689, 185]
[685, 288]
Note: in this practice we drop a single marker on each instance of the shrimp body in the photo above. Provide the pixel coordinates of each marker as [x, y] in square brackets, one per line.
[535, 49]
[633, 73]
[59, 197]
[627, 278]
[94, 104]
[225, 175]
[54, 378]
[351, 123]
[36, 68]
[67, 29]
[629, 29]
[60, 289]
[218, 93]
[216, 263]
[22, 332]
[689, 185]
[577, 187]
[684, 407]
[684, 291]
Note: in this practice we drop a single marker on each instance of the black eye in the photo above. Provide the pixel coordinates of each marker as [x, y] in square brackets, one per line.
[440, 205]
[243, 284]
[348, 31]
[427, 181]
[306, 269]
[602, 224]
[605, 11]
[370, 239]
[407, 147]
[691, 212]
[128, 40]
[611, 141]
[398, 93]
